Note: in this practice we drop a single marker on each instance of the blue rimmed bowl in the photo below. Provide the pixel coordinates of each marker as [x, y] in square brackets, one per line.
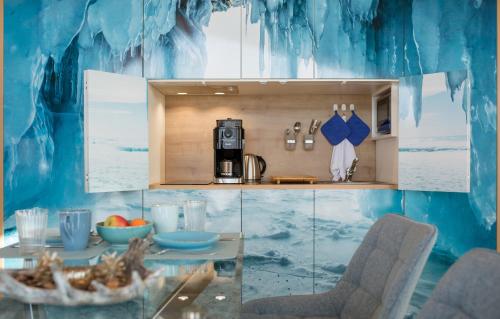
[121, 235]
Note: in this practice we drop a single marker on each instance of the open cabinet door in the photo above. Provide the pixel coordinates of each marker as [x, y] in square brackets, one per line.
[434, 132]
[116, 132]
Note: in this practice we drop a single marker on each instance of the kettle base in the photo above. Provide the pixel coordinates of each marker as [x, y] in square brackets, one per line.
[253, 181]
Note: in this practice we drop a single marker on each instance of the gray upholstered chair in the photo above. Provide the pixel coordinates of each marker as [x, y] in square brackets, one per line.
[378, 282]
[469, 290]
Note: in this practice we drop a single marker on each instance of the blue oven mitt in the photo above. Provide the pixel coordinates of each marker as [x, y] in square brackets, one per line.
[335, 130]
[359, 129]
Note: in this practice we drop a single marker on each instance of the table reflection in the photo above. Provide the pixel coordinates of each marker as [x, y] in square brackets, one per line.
[189, 289]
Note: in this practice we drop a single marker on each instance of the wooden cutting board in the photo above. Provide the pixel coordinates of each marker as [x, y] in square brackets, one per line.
[299, 179]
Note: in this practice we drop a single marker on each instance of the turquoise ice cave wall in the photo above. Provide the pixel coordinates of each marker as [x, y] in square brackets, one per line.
[49, 43]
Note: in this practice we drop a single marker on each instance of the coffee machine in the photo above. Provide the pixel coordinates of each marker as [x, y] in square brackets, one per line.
[229, 139]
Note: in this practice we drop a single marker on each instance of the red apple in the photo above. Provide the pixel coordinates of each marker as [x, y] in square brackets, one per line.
[115, 221]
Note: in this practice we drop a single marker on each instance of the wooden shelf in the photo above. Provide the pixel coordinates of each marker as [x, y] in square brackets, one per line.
[320, 185]
[379, 137]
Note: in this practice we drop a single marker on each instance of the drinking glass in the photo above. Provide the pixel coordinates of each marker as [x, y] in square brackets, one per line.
[195, 215]
[32, 229]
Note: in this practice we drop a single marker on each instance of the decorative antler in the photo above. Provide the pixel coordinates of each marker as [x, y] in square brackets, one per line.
[115, 279]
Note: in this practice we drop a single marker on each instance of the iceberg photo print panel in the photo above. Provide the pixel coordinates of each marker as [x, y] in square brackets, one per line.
[116, 132]
[434, 132]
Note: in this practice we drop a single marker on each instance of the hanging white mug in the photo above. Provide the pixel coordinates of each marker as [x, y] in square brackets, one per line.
[165, 217]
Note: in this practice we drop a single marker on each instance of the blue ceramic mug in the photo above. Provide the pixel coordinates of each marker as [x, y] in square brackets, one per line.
[74, 226]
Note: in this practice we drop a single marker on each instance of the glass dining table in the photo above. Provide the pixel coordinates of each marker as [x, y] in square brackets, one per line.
[194, 289]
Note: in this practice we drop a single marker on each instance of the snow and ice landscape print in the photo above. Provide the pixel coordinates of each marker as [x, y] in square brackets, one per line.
[45, 57]
[116, 132]
[279, 243]
[434, 130]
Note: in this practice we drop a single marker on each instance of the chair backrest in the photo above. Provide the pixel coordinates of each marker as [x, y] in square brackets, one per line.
[383, 273]
[469, 289]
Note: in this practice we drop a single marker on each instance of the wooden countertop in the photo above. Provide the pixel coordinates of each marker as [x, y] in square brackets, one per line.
[319, 185]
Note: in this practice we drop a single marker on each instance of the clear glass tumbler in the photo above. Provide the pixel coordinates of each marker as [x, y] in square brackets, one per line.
[195, 215]
[32, 229]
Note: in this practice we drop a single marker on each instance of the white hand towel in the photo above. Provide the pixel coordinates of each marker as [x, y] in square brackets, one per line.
[342, 156]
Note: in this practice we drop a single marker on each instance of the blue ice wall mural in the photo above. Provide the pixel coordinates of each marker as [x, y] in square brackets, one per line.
[49, 43]
[468, 45]
[277, 39]
[434, 144]
[323, 38]
[192, 39]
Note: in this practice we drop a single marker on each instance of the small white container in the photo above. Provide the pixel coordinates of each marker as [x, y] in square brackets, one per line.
[165, 217]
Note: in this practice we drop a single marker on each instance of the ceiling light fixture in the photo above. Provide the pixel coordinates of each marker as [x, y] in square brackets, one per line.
[183, 298]
[219, 93]
[181, 93]
[220, 298]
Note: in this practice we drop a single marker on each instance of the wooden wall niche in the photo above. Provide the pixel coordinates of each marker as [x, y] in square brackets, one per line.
[186, 152]
[190, 121]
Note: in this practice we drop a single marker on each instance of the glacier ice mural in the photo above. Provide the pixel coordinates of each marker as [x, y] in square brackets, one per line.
[434, 147]
[468, 45]
[191, 39]
[46, 54]
[277, 39]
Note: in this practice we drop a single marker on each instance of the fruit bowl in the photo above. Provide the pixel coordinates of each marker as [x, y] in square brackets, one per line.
[121, 235]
